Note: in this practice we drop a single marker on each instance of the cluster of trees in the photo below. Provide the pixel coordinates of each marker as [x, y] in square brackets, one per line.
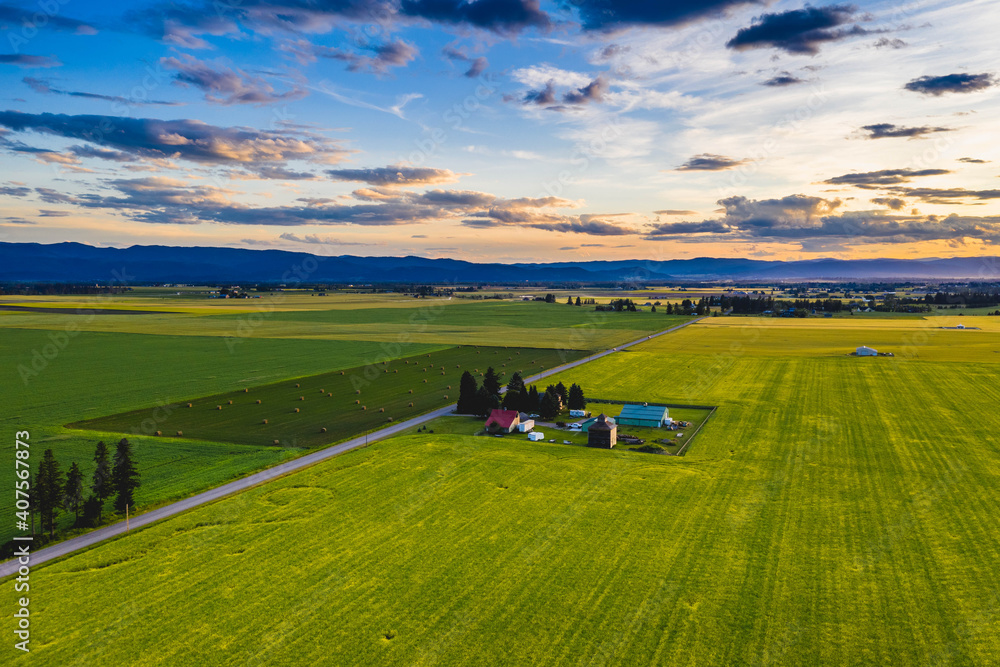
[475, 399]
[60, 288]
[969, 298]
[53, 491]
[618, 306]
[580, 302]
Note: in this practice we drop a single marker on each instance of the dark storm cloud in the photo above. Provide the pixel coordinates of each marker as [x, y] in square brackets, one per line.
[24, 60]
[395, 175]
[191, 140]
[799, 31]
[499, 16]
[875, 179]
[782, 80]
[608, 15]
[951, 83]
[223, 85]
[45, 88]
[710, 162]
[888, 130]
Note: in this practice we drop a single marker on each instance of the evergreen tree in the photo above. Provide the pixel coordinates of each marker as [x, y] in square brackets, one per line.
[548, 406]
[467, 388]
[512, 400]
[101, 486]
[516, 384]
[532, 400]
[578, 301]
[486, 402]
[73, 494]
[563, 394]
[569, 301]
[577, 401]
[653, 309]
[125, 476]
[492, 383]
[49, 485]
[670, 308]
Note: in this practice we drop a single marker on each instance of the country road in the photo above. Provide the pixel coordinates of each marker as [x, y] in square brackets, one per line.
[9, 568]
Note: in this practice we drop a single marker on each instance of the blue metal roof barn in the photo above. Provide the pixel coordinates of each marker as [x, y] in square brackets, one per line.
[643, 415]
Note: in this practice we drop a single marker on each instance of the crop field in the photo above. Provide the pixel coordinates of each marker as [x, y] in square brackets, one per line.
[388, 319]
[833, 511]
[94, 374]
[294, 413]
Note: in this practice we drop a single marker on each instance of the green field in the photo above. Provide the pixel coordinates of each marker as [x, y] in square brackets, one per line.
[834, 511]
[346, 403]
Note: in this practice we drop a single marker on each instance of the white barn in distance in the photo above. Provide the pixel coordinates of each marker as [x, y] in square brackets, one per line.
[865, 351]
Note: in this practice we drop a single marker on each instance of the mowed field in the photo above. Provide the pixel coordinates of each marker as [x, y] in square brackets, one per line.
[345, 403]
[834, 510]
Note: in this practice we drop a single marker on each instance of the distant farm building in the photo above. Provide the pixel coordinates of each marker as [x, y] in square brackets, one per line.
[503, 421]
[603, 432]
[526, 425]
[653, 416]
[865, 351]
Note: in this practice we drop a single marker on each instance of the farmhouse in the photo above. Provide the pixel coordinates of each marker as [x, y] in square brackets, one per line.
[503, 421]
[865, 351]
[602, 433]
[653, 416]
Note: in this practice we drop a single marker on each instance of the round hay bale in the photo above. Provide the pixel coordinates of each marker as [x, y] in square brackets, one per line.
[161, 432]
[296, 385]
[258, 401]
[425, 370]
[323, 430]
[190, 406]
[446, 396]
[263, 421]
[389, 419]
[385, 370]
[246, 391]
[411, 405]
[277, 442]
[411, 391]
[478, 352]
[230, 402]
[322, 391]
[442, 372]
[357, 402]
[396, 370]
[425, 381]
[358, 391]
[296, 409]
[302, 398]
[519, 353]
[180, 432]
[449, 386]
[341, 372]
[218, 407]
[330, 394]
[458, 365]
[381, 409]
[363, 407]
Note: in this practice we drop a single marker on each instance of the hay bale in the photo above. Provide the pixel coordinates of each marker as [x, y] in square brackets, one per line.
[389, 419]
[322, 391]
[161, 432]
[264, 421]
[363, 407]
[385, 370]
[442, 372]
[357, 402]
[357, 391]
[411, 391]
[302, 398]
[258, 401]
[330, 394]
[218, 407]
[230, 402]
[246, 391]
[446, 396]
[190, 406]
[323, 430]
[180, 432]
[425, 381]
[449, 386]
[381, 409]
[411, 405]
[341, 372]
[296, 409]
[296, 385]
[277, 442]
[396, 370]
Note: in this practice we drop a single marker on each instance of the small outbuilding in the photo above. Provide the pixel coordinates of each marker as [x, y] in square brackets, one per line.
[865, 351]
[652, 416]
[503, 421]
[535, 436]
[526, 425]
[602, 433]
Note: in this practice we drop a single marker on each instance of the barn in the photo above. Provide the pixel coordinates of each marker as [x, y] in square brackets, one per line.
[865, 351]
[503, 421]
[602, 433]
[652, 416]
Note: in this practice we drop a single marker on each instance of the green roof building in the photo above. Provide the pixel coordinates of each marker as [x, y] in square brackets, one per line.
[652, 416]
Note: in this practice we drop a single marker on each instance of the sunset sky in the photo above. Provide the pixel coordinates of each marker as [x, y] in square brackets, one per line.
[504, 130]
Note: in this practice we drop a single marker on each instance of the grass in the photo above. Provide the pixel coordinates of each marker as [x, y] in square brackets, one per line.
[345, 403]
[831, 512]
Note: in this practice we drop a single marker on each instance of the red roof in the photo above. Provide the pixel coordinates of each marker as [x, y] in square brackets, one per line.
[503, 418]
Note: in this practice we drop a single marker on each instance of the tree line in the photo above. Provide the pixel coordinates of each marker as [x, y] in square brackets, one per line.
[54, 491]
[476, 399]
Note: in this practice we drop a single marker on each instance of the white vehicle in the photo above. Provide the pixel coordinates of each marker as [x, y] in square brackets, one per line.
[575, 425]
[535, 436]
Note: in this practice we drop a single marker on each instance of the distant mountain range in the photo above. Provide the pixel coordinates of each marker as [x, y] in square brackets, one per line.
[76, 262]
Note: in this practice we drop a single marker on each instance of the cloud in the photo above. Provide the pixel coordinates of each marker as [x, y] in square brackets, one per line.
[710, 162]
[190, 140]
[886, 43]
[477, 65]
[499, 16]
[888, 130]
[46, 213]
[946, 195]
[14, 191]
[611, 15]
[316, 239]
[674, 211]
[543, 97]
[24, 60]
[890, 202]
[876, 179]
[798, 31]
[223, 85]
[782, 80]
[45, 88]
[592, 92]
[16, 19]
[396, 53]
[951, 83]
[972, 160]
[798, 217]
[11, 220]
[395, 174]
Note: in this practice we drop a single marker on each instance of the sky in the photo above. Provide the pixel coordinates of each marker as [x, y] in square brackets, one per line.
[504, 130]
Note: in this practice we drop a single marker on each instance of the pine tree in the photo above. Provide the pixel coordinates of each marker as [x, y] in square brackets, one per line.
[578, 301]
[467, 388]
[73, 494]
[569, 301]
[516, 384]
[548, 406]
[532, 400]
[492, 383]
[486, 402]
[563, 394]
[101, 486]
[577, 401]
[125, 476]
[49, 485]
